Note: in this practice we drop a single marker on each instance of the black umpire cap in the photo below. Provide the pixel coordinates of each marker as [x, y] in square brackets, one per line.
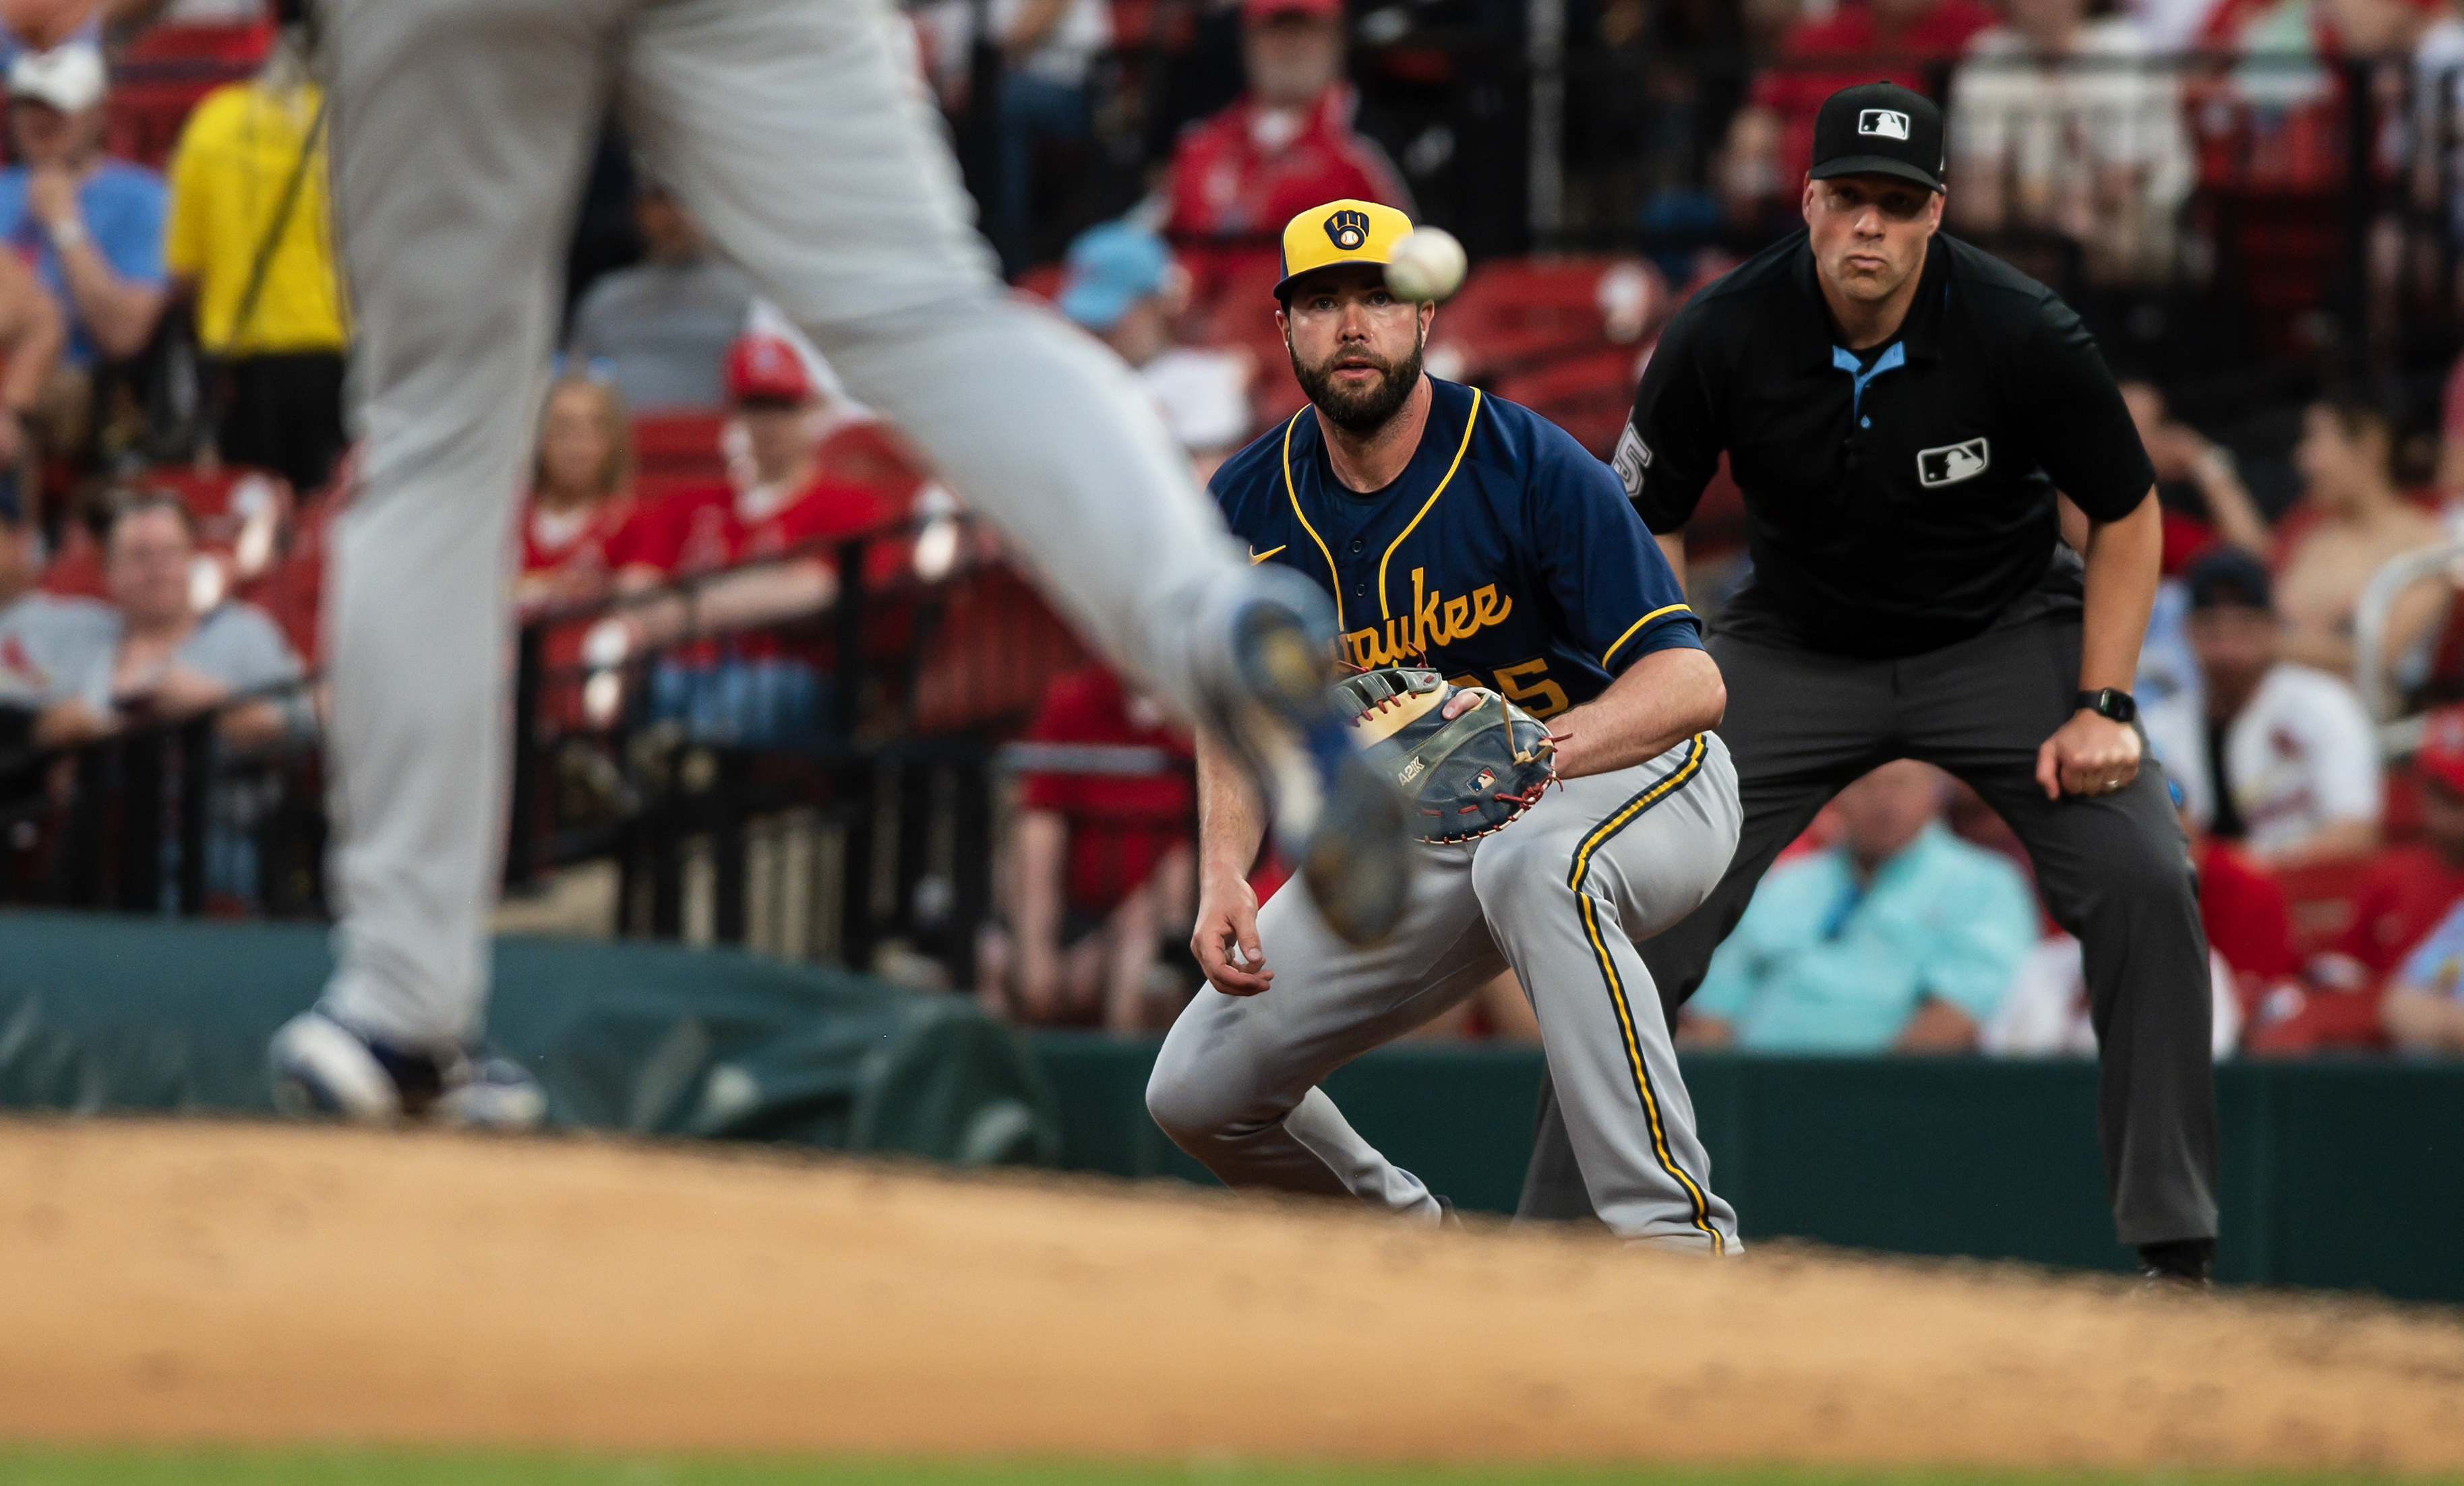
[1878, 128]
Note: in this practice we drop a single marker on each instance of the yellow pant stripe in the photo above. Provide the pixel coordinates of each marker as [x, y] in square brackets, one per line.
[1618, 820]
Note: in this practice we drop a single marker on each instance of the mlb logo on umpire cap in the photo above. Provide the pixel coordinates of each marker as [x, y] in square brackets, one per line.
[1878, 128]
[1887, 122]
[1348, 229]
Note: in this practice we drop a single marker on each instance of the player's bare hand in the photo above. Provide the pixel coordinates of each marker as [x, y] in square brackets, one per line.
[1465, 700]
[2089, 755]
[1226, 939]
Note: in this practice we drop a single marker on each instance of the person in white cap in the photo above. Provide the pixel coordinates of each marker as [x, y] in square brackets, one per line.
[91, 225]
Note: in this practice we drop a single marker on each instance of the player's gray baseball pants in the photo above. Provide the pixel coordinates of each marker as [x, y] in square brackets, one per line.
[1561, 895]
[2113, 869]
[798, 134]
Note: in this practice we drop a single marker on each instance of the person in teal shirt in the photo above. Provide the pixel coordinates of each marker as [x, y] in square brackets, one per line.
[1900, 937]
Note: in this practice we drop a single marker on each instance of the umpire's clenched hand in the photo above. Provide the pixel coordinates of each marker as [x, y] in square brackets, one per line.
[2091, 755]
[1227, 919]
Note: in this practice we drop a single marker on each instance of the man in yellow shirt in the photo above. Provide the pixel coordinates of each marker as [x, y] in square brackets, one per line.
[251, 240]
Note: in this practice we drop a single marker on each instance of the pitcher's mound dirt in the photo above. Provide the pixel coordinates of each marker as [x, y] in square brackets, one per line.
[225, 1281]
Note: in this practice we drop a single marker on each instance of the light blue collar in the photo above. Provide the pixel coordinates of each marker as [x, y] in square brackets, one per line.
[1845, 360]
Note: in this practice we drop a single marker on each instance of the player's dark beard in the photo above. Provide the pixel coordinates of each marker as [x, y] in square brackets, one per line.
[1360, 409]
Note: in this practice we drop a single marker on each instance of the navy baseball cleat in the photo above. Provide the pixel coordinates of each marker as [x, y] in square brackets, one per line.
[323, 1069]
[1346, 829]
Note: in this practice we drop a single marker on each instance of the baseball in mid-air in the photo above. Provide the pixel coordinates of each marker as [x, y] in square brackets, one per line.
[1428, 265]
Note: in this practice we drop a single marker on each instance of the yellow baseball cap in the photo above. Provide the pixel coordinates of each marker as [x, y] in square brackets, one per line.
[1340, 232]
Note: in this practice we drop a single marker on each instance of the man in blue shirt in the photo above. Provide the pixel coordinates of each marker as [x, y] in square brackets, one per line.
[89, 225]
[1901, 937]
[1462, 533]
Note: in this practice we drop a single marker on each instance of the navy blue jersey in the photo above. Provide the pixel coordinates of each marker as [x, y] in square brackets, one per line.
[1504, 555]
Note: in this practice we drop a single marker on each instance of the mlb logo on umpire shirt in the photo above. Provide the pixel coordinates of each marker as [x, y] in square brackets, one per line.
[1887, 122]
[1951, 463]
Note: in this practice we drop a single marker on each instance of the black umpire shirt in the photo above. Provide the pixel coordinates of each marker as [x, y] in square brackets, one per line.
[1897, 499]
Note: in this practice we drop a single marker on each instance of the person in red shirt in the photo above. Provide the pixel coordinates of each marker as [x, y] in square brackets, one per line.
[1771, 140]
[780, 501]
[1098, 872]
[2401, 896]
[772, 521]
[582, 496]
[1282, 147]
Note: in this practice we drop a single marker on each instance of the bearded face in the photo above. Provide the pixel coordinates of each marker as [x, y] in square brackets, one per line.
[1358, 386]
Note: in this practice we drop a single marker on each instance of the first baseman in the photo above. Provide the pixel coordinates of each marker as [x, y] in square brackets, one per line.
[799, 132]
[1464, 533]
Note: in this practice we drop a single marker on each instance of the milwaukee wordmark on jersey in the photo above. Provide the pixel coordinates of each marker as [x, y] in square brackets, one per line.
[1504, 555]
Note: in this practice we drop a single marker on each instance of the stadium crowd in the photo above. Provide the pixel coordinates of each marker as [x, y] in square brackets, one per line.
[174, 334]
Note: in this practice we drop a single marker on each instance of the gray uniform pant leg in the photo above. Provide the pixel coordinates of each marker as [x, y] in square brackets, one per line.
[800, 133]
[459, 133]
[1561, 895]
[2113, 869]
[1800, 727]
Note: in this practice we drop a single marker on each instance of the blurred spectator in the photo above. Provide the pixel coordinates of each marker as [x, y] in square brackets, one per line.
[2424, 1008]
[2359, 521]
[2196, 481]
[582, 496]
[2046, 1015]
[2407, 888]
[1125, 288]
[42, 25]
[147, 654]
[1047, 48]
[2280, 757]
[1098, 873]
[2248, 920]
[1286, 145]
[1898, 936]
[664, 325]
[92, 226]
[2071, 125]
[31, 333]
[758, 688]
[1771, 140]
[250, 237]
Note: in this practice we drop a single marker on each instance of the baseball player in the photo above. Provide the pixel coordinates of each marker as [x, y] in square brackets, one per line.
[798, 132]
[1467, 534]
[1902, 412]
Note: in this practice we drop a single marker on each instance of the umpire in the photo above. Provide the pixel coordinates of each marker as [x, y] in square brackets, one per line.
[1903, 413]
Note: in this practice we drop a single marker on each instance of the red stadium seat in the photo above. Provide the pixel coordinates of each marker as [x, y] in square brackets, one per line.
[239, 45]
[1515, 314]
[672, 448]
[1588, 395]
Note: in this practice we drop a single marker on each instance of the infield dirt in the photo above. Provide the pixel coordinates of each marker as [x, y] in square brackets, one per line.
[209, 1280]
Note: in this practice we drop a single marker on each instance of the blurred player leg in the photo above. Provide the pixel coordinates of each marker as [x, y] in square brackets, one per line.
[459, 133]
[1235, 1082]
[800, 133]
[1568, 890]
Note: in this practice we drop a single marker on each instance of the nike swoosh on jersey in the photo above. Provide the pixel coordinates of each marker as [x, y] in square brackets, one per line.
[1256, 557]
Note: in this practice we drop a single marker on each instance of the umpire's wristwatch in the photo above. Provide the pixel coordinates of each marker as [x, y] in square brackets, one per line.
[2120, 706]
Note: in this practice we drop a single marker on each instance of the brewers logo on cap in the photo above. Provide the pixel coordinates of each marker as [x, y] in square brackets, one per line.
[1340, 232]
[1348, 229]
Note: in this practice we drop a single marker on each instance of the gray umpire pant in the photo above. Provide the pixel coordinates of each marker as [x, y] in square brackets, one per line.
[2114, 869]
[799, 132]
[1560, 895]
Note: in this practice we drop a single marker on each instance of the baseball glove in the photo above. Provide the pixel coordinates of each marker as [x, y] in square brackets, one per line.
[1467, 777]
